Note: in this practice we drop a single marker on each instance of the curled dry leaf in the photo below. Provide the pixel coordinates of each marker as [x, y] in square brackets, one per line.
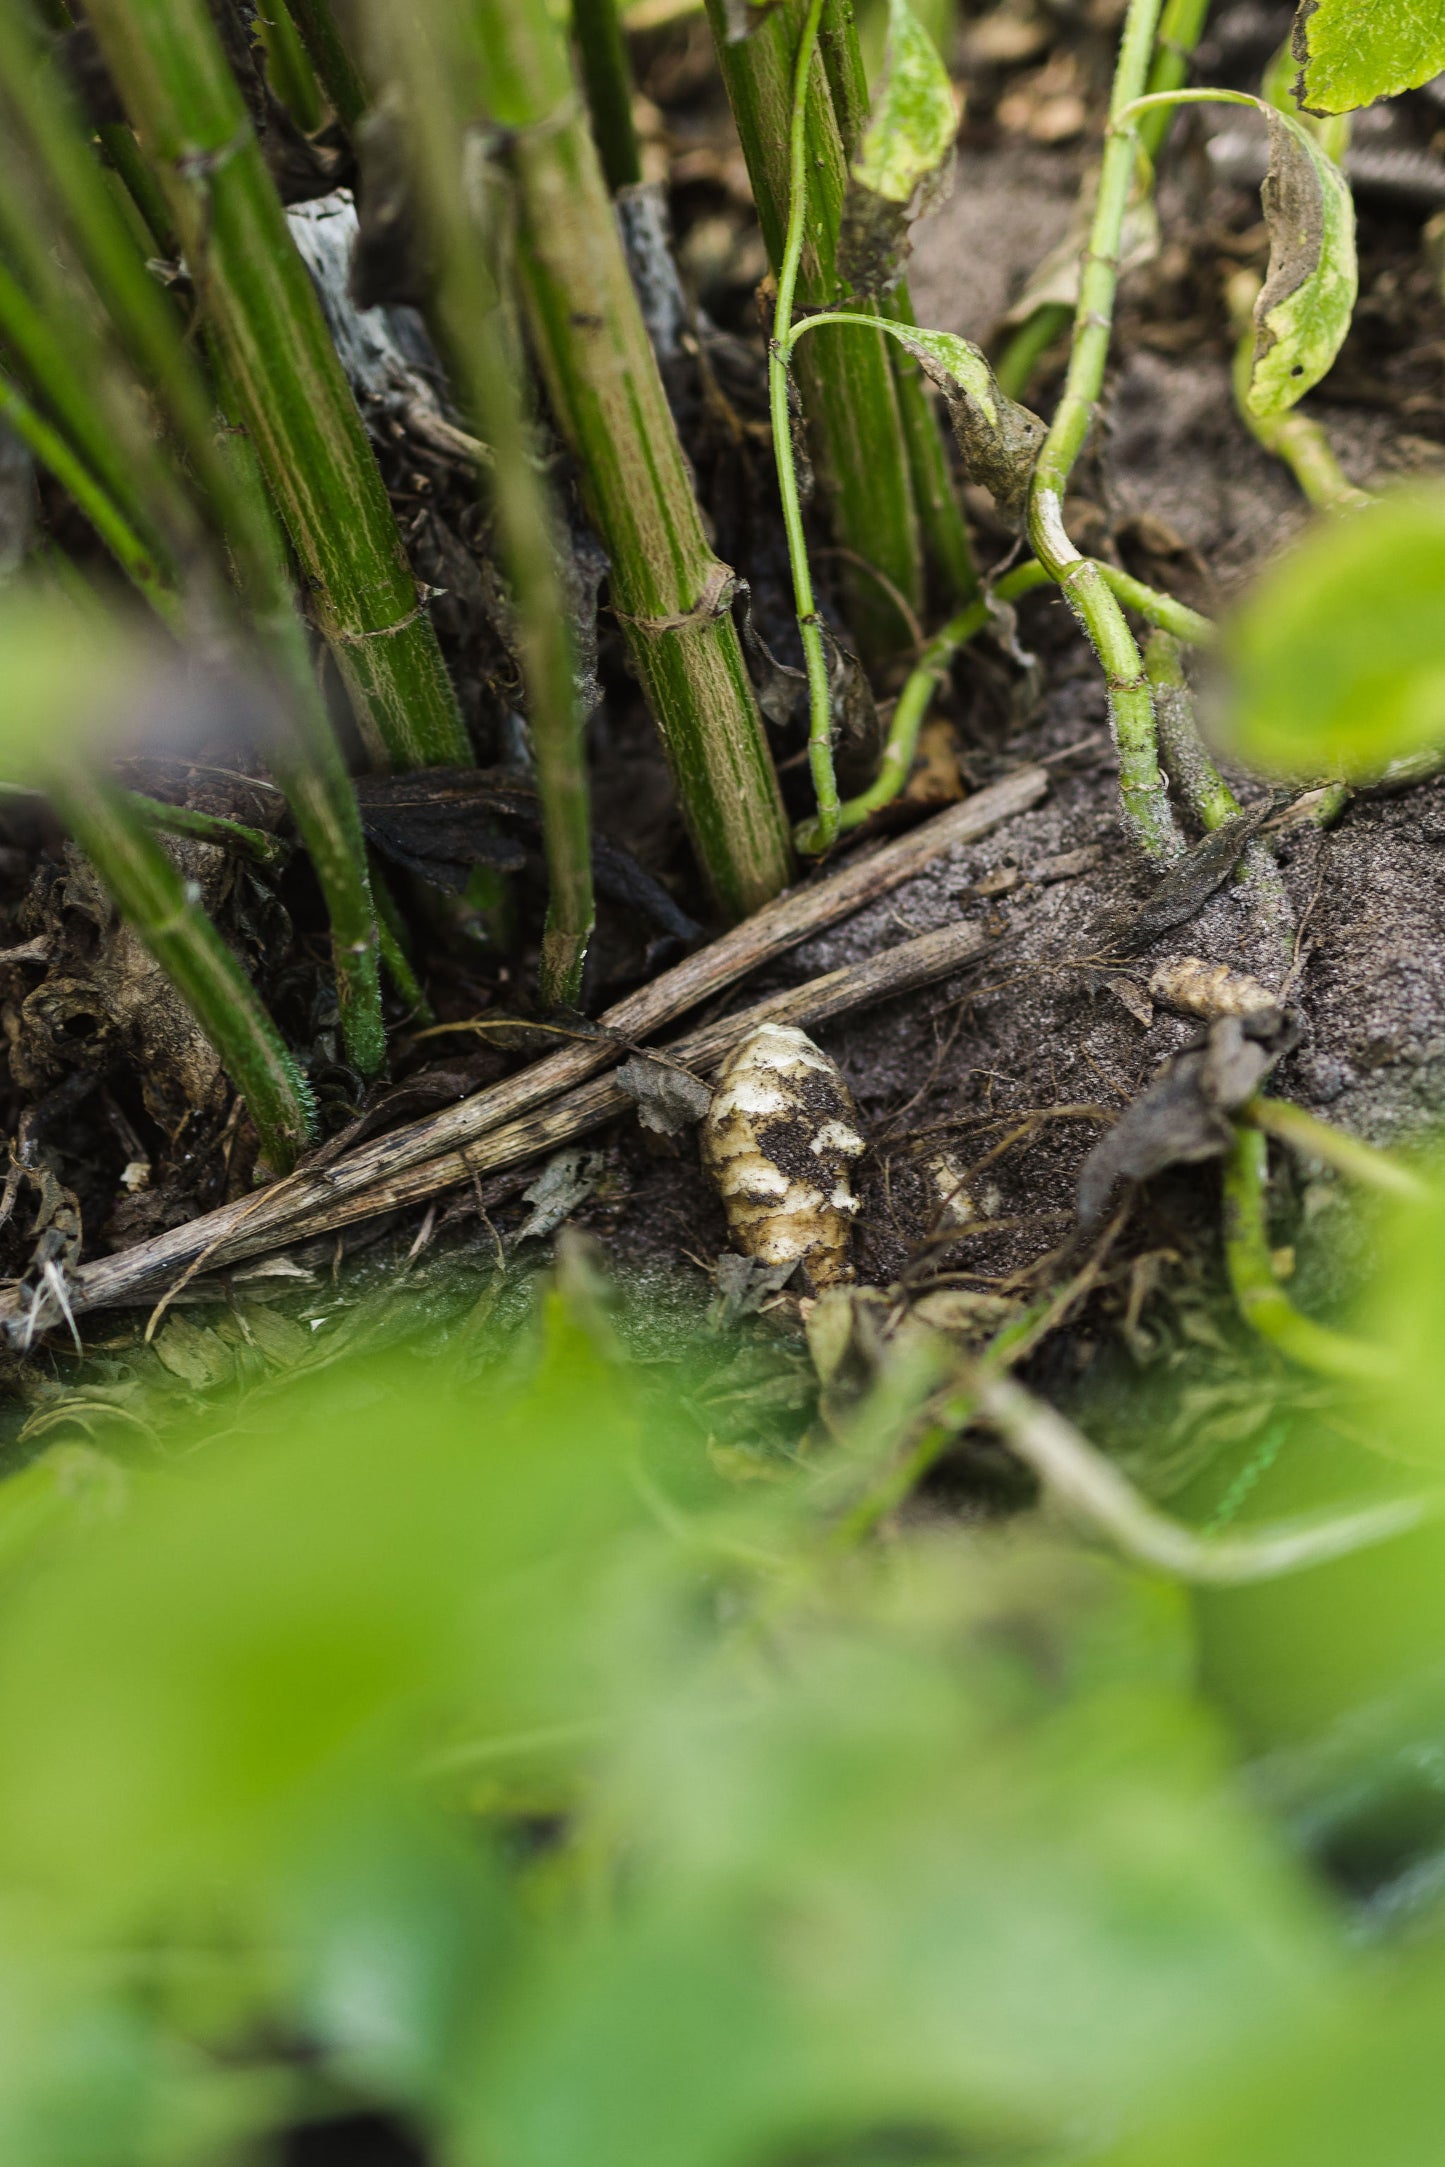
[1184, 1116]
[904, 167]
[779, 1142]
[1000, 440]
[1304, 307]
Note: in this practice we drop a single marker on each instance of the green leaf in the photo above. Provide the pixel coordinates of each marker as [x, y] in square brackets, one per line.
[1304, 307]
[999, 439]
[904, 167]
[1280, 88]
[1351, 52]
[1339, 650]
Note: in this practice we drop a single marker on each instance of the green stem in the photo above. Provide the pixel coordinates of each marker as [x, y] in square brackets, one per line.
[1142, 789]
[1159, 609]
[158, 905]
[76, 479]
[855, 429]
[1179, 32]
[335, 69]
[821, 832]
[940, 515]
[607, 80]
[76, 379]
[1015, 368]
[930, 671]
[1294, 437]
[429, 72]
[307, 763]
[234, 835]
[123, 152]
[186, 107]
[1180, 29]
[1349, 1155]
[669, 590]
[1199, 782]
[287, 63]
[394, 958]
[1261, 1302]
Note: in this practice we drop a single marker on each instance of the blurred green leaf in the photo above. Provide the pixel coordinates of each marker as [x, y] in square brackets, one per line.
[1338, 650]
[1308, 297]
[1351, 52]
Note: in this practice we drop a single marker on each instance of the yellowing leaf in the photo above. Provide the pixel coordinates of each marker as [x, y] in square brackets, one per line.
[1339, 651]
[904, 167]
[1351, 52]
[1304, 307]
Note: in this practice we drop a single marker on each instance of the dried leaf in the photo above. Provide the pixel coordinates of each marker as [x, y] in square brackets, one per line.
[1304, 307]
[567, 1180]
[743, 1285]
[999, 439]
[904, 167]
[1351, 52]
[1184, 1115]
[670, 1100]
[1185, 889]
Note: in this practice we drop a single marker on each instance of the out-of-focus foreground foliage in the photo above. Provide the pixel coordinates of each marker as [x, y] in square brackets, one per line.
[457, 1737]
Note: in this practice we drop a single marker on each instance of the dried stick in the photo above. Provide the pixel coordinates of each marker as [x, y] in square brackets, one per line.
[561, 1121]
[289, 1208]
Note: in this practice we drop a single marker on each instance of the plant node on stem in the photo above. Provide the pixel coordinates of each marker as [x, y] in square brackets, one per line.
[1142, 788]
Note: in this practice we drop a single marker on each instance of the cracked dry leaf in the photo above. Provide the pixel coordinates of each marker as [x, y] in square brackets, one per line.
[779, 1142]
[904, 167]
[1305, 304]
[1351, 52]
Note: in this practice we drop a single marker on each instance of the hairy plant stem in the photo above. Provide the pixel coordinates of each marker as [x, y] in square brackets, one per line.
[670, 592]
[1142, 789]
[1180, 28]
[427, 62]
[1257, 1293]
[607, 80]
[189, 116]
[158, 905]
[821, 832]
[850, 398]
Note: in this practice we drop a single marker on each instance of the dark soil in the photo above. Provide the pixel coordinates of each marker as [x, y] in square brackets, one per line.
[1005, 1078]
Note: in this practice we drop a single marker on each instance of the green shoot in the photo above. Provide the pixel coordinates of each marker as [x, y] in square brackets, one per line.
[1262, 1302]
